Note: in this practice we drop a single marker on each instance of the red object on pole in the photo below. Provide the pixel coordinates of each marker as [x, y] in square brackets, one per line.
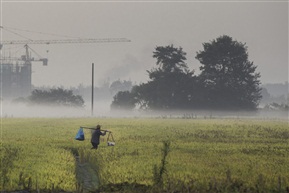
[92, 89]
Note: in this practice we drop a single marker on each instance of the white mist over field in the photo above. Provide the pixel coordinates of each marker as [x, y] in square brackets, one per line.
[102, 109]
[24, 110]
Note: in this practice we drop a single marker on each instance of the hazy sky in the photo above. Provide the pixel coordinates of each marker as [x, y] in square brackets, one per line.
[262, 25]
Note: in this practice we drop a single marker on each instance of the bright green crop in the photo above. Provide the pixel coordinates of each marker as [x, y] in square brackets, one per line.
[205, 154]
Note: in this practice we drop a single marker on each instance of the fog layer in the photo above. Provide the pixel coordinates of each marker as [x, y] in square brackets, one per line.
[102, 109]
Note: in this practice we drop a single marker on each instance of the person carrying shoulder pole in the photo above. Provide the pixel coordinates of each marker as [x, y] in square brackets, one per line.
[96, 133]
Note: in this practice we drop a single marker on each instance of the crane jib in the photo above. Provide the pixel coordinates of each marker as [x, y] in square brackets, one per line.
[105, 40]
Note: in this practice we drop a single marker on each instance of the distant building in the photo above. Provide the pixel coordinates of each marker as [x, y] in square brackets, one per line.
[15, 75]
[15, 79]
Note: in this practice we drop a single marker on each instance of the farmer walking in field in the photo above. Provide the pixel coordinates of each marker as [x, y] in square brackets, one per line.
[96, 133]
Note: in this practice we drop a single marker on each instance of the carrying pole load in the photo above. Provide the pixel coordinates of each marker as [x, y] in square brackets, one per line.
[110, 140]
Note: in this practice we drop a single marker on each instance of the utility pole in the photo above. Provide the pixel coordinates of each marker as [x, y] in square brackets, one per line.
[92, 88]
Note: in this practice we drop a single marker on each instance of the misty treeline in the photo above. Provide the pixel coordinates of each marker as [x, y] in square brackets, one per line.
[53, 96]
[227, 81]
[275, 96]
[74, 96]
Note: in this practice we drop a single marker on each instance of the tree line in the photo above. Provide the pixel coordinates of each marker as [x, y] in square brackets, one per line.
[73, 97]
[227, 80]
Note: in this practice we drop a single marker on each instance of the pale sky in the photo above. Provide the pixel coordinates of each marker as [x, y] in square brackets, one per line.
[262, 25]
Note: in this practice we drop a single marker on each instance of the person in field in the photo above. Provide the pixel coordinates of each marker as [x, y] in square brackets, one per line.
[95, 136]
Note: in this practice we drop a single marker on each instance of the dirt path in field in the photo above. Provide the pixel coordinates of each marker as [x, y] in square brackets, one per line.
[86, 176]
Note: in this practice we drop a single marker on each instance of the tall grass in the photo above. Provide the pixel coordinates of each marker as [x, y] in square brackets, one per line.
[220, 155]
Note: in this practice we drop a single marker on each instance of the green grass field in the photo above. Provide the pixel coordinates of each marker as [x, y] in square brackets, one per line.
[205, 155]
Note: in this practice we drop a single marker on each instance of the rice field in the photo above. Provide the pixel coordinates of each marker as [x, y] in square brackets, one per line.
[203, 155]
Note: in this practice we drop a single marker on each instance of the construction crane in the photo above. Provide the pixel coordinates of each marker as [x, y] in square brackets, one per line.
[16, 78]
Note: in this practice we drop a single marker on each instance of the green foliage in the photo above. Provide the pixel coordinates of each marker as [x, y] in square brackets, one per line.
[229, 78]
[57, 97]
[123, 100]
[171, 85]
[170, 59]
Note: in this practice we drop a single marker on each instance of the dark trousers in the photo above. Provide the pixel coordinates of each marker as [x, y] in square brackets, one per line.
[94, 145]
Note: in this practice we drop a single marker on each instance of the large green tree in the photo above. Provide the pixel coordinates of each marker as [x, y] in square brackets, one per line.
[171, 81]
[229, 79]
